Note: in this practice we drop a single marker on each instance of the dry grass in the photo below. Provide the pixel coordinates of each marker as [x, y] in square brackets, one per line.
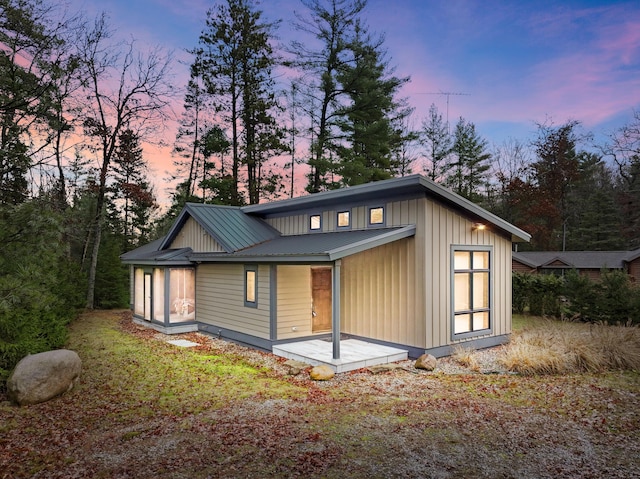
[466, 357]
[557, 347]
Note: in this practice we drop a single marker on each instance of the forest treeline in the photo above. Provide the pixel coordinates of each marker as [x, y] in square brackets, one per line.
[259, 120]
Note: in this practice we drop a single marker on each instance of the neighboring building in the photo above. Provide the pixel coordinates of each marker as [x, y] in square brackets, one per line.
[588, 263]
[402, 263]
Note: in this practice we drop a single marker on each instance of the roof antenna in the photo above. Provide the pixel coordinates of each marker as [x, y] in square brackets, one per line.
[447, 94]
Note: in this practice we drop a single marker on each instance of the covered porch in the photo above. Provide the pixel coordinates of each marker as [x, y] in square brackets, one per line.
[354, 353]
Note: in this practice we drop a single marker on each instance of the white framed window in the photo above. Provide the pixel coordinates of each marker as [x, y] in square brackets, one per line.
[471, 291]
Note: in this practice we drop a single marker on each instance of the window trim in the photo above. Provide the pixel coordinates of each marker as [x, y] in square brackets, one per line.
[250, 269]
[384, 216]
[489, 309]
[338, 213]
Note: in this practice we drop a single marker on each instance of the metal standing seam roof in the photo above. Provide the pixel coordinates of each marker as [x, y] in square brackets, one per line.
[313, 247]
[152, 254]
[228, 225]
[573, 259]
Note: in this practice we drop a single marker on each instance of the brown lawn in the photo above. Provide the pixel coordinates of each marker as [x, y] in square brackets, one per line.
[147, 409]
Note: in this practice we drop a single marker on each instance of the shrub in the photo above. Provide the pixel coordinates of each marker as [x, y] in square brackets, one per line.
[24, 332]
[545, 292]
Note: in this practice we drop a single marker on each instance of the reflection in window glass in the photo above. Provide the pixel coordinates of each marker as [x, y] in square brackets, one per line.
[314, 222]
[376, 216]
[343, 219]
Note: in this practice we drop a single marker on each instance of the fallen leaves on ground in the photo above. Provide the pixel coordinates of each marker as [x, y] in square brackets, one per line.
[147, 409]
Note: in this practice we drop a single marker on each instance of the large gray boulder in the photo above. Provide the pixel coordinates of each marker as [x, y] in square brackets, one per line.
[40, 377]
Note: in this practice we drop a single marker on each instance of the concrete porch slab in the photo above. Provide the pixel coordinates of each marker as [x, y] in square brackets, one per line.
[354, 353]
[183, 343]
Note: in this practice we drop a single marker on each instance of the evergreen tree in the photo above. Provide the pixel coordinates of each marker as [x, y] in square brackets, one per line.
[236, 60]
[25, 89]
[333, 26]
[132, 186]
[555, 170]
[471, 162]
[367, 122]
[436, 140]
[594, 220]
[192, 125]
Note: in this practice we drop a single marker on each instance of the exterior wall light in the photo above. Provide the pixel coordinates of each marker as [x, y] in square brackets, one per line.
[479, 227]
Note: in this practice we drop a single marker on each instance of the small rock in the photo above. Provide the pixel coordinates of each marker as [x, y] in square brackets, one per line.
[426, 362]
[43, 376]
[321, 373]
[295, 367]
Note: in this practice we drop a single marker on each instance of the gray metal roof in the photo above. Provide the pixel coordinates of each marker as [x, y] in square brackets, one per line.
[315, 247]
[228, 225]
[574, 259]
[152, 254]
[413, 184]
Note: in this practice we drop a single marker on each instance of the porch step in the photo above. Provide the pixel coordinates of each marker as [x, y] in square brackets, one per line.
[354, 353]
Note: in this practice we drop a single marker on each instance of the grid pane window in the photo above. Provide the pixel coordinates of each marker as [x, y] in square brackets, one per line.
[471, 291]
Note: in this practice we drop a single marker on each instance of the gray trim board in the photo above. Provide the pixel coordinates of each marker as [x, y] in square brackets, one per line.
[480, 332]
[273, 302]
[236, 337]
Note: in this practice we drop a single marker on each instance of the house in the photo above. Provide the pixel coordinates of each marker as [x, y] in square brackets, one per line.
[389, 269]
[588, 263]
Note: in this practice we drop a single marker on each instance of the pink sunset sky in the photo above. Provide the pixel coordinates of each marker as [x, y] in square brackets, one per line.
[517, 63]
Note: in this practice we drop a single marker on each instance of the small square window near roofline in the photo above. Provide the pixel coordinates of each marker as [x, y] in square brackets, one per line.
[315, 222]
[376, 216]
[343, 219]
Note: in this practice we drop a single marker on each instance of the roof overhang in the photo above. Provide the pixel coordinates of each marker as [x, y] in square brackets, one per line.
[282, 250]
[408, 185]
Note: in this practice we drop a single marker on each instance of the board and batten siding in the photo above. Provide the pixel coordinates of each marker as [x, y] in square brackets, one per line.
[446, 228]
[220, 296]
[193, 236]
[299, 224]
[294, 301]
[382, 288]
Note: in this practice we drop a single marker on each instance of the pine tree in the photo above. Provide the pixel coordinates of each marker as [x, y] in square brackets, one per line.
[333, 26]
[367, 122]
[132, 186]
[470, 162]
[236, 60]
[436, 140]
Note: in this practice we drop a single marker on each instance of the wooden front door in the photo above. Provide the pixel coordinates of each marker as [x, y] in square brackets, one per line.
[321, 295]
